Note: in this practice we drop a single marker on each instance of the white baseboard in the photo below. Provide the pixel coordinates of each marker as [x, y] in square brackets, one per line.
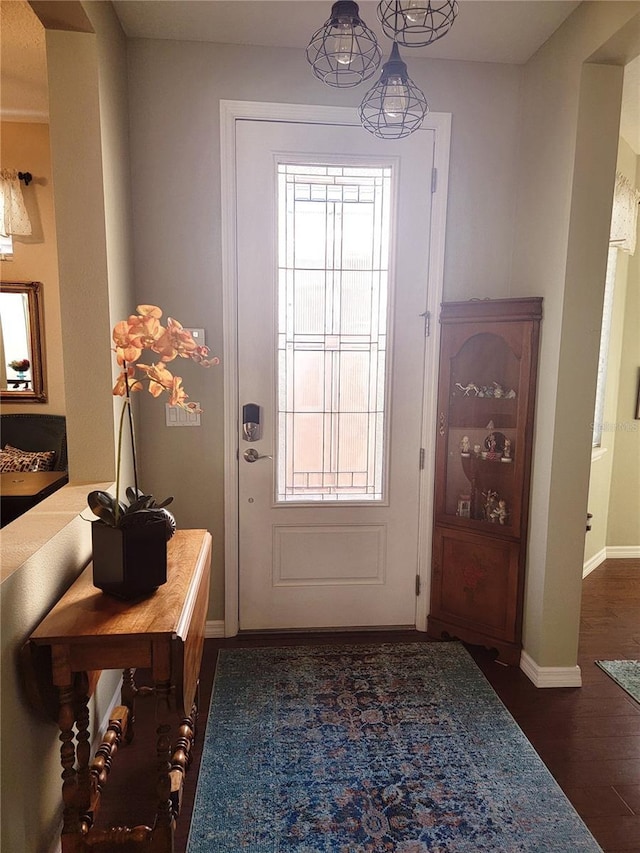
[611, 552]
[623, 552]
[214, 629]
[550, 676]
[594, 562]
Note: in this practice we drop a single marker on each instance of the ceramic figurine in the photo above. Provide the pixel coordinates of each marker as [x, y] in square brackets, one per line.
[506, 455]
[467, 389]
[491, 453]
[499, 513]
[465, 445]
[490, 504]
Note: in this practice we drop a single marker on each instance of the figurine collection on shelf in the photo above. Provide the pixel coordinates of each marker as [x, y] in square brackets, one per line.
[497, 447]
[494, 447]
[495, 390]
[495, 509]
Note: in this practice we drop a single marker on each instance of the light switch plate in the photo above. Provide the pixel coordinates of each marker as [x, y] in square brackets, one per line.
[177, 417]
[198, 336]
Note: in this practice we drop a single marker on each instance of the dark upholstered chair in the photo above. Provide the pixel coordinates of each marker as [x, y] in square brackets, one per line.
[36, 432]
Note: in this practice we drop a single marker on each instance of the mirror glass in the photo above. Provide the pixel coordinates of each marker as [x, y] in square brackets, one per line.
[21, 343]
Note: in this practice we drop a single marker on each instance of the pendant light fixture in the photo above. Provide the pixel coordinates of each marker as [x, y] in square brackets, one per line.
[344, 51]
[394, 107]
[416, 23]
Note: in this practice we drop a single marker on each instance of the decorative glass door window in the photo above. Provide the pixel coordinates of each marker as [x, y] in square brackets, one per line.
[334, 232]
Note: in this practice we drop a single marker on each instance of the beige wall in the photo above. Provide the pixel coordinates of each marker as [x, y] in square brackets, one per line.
[89, 144]
[623, 361]
[174, 92]
[569, 133]
[25, 146]
[623, 527]
[46, 547]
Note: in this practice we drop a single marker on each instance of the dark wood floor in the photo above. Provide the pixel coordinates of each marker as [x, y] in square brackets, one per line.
[589, 737]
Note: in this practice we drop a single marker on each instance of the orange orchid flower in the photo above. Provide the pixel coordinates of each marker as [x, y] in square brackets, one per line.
[200, 357]
[178, 397]
[139, 332]
[126, 350]
[143, 331]
[175, 341]
[124, 379]
[160, 379]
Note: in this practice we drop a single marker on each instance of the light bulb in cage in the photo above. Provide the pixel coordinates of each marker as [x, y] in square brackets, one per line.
[344, 51]
[395, 106]
[394, 102]
[416, 23]
[341, 44]
[413, 11]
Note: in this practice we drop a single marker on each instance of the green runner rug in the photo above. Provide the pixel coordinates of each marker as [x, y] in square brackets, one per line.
[626, 673]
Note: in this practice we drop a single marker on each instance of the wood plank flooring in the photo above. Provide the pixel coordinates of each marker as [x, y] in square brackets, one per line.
[589, 737]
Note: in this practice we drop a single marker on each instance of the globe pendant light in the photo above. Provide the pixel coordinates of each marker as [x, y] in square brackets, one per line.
[417, 23]
[344, 51]
[394, 107]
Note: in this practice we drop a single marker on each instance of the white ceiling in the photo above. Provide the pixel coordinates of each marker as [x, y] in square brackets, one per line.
[484, 31]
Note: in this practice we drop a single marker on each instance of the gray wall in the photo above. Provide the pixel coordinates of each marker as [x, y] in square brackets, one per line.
[175, 89]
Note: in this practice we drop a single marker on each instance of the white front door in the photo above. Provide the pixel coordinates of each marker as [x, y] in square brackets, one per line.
[332, 254]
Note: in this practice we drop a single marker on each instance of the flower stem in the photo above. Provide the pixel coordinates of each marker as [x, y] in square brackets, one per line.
[125, 405]
[131, 432]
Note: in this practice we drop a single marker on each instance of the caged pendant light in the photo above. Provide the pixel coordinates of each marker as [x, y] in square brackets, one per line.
[394, 107]
[344, 51]
[416, 23]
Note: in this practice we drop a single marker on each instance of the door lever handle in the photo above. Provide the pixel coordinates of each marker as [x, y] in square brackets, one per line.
[252, 455]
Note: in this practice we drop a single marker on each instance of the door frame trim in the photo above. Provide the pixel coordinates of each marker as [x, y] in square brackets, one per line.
[230, 113]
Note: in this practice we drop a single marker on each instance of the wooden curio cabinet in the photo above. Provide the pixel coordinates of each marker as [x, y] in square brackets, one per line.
[486, 392]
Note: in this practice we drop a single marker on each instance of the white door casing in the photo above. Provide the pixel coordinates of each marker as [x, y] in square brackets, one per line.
[304, 538]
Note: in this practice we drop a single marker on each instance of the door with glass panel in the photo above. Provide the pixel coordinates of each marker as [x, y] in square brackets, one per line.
[332, 258]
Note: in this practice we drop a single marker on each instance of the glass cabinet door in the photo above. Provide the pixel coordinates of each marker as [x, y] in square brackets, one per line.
[480, 430]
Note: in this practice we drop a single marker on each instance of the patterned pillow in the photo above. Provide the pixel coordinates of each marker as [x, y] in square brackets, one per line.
[14, 459]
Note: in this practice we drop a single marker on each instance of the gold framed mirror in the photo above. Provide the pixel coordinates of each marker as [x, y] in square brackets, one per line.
[22, 376]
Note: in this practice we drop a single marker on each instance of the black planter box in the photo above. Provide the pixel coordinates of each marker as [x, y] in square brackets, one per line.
[129, 562]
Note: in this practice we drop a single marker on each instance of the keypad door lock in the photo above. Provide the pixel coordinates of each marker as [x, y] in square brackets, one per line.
[251, 422]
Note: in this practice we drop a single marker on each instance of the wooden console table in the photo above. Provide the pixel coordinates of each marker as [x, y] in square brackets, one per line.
[88, 631]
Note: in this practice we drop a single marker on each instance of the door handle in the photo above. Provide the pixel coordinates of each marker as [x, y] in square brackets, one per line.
[252, 455]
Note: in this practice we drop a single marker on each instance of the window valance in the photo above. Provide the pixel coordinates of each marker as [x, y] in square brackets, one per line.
[14, 219]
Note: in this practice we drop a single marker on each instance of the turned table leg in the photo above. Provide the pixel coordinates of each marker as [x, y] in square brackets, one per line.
[66, 721]
[128, 698]
[163, 752]
[83, 746]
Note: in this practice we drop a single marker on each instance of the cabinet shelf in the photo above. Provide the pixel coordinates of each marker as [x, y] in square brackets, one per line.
[478, 412]
[481, 502]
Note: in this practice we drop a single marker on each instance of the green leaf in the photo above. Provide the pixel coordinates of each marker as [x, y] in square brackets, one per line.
[103, 505]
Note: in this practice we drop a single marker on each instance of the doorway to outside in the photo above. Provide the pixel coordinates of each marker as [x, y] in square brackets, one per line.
[333, 246]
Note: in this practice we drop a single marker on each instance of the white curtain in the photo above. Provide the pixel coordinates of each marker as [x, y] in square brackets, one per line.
[14, 219]
[624, 215]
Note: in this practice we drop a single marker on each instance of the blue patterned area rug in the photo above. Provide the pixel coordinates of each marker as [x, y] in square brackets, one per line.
[626, 673]
[371, 749]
